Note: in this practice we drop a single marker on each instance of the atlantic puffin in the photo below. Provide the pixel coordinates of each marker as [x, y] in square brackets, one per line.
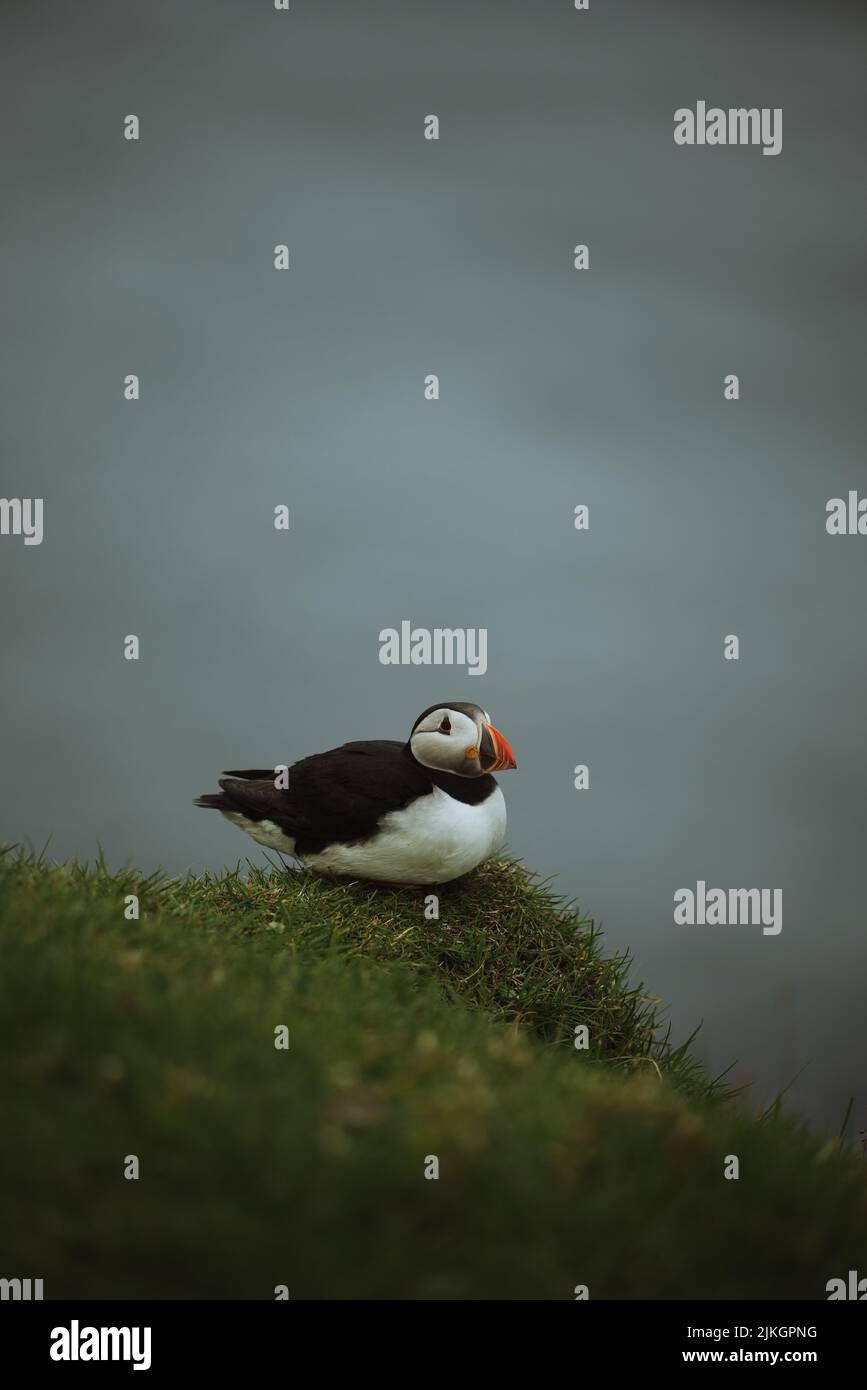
[424, 811]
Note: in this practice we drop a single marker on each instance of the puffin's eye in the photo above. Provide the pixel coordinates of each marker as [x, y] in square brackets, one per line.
[445, 726]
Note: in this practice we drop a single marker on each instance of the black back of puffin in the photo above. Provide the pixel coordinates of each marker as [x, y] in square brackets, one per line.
[341, 796]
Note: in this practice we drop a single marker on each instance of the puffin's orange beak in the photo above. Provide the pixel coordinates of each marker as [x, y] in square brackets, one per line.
[494, 746]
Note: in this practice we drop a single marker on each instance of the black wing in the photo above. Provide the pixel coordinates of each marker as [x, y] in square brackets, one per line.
[333, 797]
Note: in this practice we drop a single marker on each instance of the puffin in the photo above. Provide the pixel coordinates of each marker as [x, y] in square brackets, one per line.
[424, 811]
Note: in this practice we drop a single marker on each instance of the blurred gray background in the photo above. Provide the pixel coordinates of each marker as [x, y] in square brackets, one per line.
[558, 387]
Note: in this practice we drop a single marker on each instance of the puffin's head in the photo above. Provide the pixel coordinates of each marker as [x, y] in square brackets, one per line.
[461, 739]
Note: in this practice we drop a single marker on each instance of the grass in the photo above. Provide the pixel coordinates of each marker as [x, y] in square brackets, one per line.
[408, 1038]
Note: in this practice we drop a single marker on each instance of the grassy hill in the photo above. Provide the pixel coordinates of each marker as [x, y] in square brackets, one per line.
[408, 1038]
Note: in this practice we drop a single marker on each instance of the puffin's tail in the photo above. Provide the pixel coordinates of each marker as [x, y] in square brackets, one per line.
[224, 801]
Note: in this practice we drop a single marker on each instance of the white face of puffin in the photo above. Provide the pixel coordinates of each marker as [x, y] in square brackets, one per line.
[461, 739]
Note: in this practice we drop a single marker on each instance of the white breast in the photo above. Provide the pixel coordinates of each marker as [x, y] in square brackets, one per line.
[433, 840]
